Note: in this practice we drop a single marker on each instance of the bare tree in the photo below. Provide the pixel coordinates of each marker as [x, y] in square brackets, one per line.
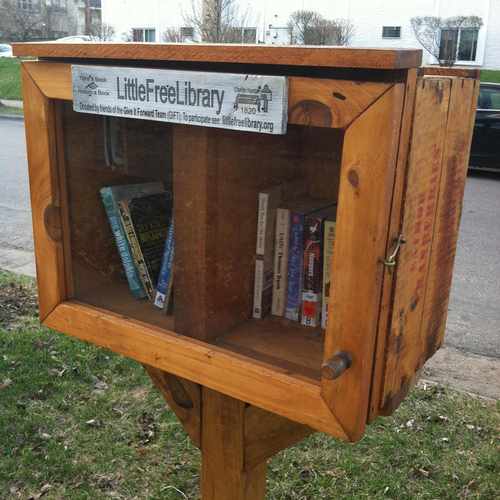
[36, 20]
[439, 36]
[172, 35]
[217, 21]
[343, 33]
[19, 24]
[308, 27]
[303, 27]
[331, 32]
[101, 32]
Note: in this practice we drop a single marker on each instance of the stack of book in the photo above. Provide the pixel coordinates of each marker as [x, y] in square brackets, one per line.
[293, 254]
[140, 216]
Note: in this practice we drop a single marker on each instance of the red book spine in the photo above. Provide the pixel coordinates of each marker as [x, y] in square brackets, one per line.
[312, 271]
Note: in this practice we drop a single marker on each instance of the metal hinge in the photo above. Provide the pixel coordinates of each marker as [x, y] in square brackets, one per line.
[390, 260]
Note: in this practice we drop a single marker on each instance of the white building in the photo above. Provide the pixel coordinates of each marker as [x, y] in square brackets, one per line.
[377, 23]
[142, 20]
[149, 20]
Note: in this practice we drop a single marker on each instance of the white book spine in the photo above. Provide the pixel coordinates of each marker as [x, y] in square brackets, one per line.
[262, 216]
[280, 261]
[258, 289]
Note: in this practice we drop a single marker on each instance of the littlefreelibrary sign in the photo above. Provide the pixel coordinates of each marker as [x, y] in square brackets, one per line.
[248, 103]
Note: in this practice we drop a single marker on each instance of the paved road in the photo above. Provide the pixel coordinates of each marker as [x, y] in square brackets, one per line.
[15, 215]
[474, 318]
[474, 312]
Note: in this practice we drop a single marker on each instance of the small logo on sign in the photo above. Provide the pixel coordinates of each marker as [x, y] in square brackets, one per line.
[258, 97]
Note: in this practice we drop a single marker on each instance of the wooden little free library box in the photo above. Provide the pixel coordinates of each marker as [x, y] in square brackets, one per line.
[366, 129]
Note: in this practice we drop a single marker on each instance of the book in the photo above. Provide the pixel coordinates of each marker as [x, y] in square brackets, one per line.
[268, 202]
[261, 292]
[296, 254]
[165, 278]
[312, 266]
[328, 242]
[111, 196]
[146, 220]
[280, 261]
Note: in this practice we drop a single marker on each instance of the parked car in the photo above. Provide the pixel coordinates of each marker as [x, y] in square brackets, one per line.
[5, 50]
[485, 150]
[74, 39]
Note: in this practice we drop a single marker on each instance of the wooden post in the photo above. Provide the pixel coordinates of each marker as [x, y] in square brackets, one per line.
[224, 475]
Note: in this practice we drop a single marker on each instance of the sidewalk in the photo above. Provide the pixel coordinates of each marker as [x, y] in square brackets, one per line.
[18, 261]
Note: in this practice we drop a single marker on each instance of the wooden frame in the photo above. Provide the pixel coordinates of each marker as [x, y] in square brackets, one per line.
[295, 397]
[405, 136]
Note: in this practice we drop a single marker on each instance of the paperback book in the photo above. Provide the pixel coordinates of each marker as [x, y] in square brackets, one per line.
[296, 255]
[313, 265]
[165, 279]
[146, 220]
[328, 239]
[280, 278]
[268, 202]
[111, 197]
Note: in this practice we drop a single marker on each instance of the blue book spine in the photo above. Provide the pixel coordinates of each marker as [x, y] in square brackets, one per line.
[122, 244]
[165, 277]
[295, 257]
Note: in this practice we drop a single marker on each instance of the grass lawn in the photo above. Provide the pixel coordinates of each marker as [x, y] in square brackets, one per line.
[10, 78]
[77, 422]
[488, 75]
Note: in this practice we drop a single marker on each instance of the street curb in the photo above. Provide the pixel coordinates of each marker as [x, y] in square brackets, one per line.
[465, 372]
[11, 117]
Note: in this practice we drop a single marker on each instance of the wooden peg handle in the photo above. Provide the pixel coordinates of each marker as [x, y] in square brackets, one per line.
[336, 365]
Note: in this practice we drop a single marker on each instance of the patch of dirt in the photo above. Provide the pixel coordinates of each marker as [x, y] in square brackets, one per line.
[16, 300]
[140, 393]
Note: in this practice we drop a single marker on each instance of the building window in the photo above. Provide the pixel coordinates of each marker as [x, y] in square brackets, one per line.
[458, 44]
[249, 35]
[391, 31]
[448, 44]
[143, 35]
[59, 4]
[467, 47]
[29, 5]
[187, 32]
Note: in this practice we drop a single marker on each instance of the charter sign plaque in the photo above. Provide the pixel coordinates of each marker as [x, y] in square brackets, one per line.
[249, 103]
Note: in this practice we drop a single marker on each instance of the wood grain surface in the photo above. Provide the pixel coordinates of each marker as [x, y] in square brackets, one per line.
[40, 125]
[394, 231]
[404, 344]
[340, 57]
[261, 384]
[366, 188]
[460, 126]
[224, 474]
[267, 434]
[184, 399]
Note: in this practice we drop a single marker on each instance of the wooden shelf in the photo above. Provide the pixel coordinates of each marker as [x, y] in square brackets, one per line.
[279, 342]
[116, 297]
